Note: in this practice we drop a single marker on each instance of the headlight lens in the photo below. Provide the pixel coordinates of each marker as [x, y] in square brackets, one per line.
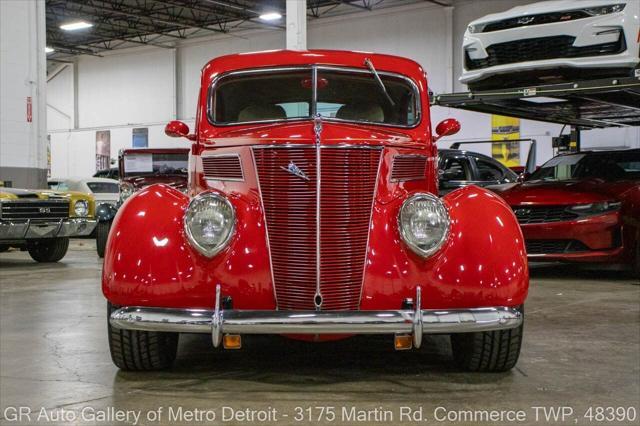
[209, 223]
[595, 208]
[81, 208]
[126, 190]
[475, 28]
[424, 223]
[605, 10]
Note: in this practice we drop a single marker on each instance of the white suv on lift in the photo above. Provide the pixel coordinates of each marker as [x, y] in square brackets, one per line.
[552, 41]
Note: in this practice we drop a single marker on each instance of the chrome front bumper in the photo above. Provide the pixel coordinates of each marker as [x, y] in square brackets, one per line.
[30, 229]
[218, 322]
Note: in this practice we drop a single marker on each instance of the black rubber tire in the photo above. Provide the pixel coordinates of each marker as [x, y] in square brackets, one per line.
[134, 350]
[4, 247]
[48, 250]
[102, 233]
[488, 351]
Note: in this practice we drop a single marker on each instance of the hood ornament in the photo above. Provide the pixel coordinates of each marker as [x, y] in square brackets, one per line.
[295, 170]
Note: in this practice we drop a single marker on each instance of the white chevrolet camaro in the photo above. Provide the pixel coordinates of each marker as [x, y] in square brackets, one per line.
[552, 41]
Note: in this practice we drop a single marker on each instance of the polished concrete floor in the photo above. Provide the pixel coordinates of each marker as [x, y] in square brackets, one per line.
[581, 349]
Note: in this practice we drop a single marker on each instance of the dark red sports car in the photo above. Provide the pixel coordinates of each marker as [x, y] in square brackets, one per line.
[582, 207]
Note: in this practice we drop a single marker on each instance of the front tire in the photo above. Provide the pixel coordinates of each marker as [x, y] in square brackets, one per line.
[487, 351]
[134, 350]
[636, 264]
[48, 250]
[102, 233]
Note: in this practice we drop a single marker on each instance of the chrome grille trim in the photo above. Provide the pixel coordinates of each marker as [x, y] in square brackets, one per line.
[206, 168]
[340, 263]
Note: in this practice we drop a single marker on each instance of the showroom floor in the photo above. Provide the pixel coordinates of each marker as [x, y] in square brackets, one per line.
[582, 346]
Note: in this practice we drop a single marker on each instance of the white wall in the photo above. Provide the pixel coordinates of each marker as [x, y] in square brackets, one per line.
[149, 86]
[22, 76]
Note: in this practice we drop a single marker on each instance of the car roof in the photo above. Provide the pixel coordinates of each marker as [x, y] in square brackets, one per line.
[464, 152]
[82, 179]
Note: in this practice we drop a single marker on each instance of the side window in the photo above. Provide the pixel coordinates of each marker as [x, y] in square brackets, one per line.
[455, 169]
[488, 171]
[58, 186]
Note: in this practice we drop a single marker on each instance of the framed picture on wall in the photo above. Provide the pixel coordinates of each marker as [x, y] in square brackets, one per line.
[140, 137]
[103, 149]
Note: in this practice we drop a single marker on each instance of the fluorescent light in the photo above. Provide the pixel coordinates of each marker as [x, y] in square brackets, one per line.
[49, 49]
[271, 16]
[74, 26]
[543, 100]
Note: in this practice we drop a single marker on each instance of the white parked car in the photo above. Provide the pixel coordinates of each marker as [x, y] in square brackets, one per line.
[103, 190]
[552, 41]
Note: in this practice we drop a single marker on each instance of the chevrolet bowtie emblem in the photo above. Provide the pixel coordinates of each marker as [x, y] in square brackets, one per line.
[295, 170]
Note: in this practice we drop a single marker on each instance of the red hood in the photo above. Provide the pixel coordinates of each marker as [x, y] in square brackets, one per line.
[303, 132]
[175, 181]
[562, 193]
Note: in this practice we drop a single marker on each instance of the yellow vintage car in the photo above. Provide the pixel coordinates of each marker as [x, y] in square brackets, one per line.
[42, 221]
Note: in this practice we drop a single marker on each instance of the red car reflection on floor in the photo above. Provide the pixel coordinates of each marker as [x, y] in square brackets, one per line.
[582, 207]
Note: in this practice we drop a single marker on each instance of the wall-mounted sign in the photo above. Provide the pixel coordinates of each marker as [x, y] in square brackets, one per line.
[505, 129]
[29, 110]
[103, 149]
[140, 137]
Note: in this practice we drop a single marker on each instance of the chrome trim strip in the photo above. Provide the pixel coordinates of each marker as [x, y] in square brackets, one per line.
[317, 129]
[266, 227]
[313, 68]
[308, 145]
[203, 156]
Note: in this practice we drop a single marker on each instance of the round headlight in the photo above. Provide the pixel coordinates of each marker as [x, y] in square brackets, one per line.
[81, 208]
[424, 223]
[126, 190]
[209, 223]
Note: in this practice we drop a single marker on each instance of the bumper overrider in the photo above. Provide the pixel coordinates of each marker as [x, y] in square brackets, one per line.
[36, 229]
[220, 322]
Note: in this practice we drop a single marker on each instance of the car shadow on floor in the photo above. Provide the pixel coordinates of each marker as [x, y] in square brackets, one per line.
[279, 361]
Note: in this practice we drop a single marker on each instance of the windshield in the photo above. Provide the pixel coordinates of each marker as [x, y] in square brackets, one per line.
[608, 166]
[103, 187]
[288, 94]
[136, 164]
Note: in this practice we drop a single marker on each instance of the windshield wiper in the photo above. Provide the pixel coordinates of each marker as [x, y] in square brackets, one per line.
[369, 65]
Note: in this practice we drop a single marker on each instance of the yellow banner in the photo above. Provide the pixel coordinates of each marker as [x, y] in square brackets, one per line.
[505, 129]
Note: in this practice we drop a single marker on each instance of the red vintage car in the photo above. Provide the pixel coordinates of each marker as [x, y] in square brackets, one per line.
[137, 169]
[582, 207]
[311, 213]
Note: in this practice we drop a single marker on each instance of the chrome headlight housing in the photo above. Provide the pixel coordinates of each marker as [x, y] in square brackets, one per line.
[424, 223]
[81, 208]
[595, 208]
[209, 222]
[605, 10]
[475, 28]
[126, 191]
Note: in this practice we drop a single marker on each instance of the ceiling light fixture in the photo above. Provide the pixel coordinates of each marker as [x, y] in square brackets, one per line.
[271, 16]
[74, 26]
[49, 49]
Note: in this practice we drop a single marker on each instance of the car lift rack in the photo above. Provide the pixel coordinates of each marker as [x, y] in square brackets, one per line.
[588, 104]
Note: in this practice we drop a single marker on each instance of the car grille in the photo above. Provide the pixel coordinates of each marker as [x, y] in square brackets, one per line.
[535, 49]
[348, 178]
[222, 167]
[35, 210]
[546, 18]
[409, 167]
[554, 246]
[528, 215]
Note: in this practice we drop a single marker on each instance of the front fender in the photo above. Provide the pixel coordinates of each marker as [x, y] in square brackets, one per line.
[483, 263]
[149, 262]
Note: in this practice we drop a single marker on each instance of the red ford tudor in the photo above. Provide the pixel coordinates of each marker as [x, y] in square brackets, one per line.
[312, 213]
[582, 207]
